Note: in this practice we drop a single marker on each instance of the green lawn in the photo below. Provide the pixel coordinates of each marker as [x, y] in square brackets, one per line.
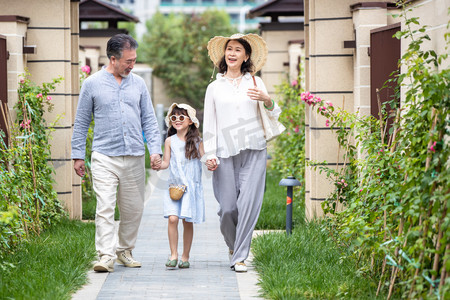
[273, 210]
[51, 266]
[307, 264]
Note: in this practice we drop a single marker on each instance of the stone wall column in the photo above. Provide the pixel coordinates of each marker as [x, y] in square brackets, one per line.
[329, 75]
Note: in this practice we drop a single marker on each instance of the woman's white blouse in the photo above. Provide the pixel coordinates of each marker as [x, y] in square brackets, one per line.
[232, 122]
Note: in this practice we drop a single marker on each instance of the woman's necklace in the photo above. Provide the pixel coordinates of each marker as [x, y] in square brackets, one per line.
[234, 81]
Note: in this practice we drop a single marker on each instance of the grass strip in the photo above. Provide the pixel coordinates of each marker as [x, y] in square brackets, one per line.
[307, 265]
[50, 266]
[273, 210]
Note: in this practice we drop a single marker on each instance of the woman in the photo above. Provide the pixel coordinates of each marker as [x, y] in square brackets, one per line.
[234, 137]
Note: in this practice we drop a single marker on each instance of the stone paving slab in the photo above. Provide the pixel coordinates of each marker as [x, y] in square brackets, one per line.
[209, 276]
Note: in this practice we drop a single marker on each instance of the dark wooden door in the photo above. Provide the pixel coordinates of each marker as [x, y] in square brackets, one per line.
[3, 84]
[384, 57]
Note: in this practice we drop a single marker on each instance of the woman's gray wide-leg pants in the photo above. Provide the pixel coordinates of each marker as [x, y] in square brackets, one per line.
[238, 185]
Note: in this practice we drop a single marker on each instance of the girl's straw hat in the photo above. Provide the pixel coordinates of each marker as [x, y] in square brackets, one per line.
[190, 110]
[216, 48]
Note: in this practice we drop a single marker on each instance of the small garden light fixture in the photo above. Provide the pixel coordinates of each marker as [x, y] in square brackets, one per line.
[290, 182]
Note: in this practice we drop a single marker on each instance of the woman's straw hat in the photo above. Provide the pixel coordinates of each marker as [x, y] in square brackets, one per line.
[216, 48]
[190, 110]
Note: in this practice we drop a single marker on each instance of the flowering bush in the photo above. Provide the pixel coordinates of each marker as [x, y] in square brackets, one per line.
[289, 147]
[395, 191]
[84, 73]
[28, 203]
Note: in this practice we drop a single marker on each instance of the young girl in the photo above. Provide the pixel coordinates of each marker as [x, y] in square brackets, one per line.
[182, 152]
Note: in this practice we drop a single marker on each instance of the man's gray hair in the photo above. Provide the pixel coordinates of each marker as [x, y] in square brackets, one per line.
[118, 43]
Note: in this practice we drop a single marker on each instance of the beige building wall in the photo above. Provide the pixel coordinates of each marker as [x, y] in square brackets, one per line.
[434, 14]
[93, 54]
[15, 31]
[53, 28]
[278, 65]
[364, 20]
[97, 49]
[329, 73]
[160, 95]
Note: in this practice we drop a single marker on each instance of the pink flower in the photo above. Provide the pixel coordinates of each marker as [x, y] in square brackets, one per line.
[338, 183]
[432, 147]
[294, 82]
[49, 98]
[345, 184]
[22, 81]
[288, 133]
[86, 69]
[343, 181]
[360, 190]
[25, 124]
[327, 123]
[329, 103]
[296, 129]
[318, 99]
[39, 95]
[304, 96]
[320, 108]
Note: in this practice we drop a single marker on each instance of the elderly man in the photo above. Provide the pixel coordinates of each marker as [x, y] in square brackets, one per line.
[121, 106]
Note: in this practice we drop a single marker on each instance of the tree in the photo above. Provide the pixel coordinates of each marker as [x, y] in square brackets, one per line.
[175, 47]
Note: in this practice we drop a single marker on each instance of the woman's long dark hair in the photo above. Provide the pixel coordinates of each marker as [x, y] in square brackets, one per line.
[247, 66]
[192, 135]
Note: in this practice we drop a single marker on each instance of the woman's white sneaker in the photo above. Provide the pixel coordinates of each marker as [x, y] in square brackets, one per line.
[240, 267]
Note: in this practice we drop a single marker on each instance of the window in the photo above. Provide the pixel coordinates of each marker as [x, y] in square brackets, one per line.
[234, 17]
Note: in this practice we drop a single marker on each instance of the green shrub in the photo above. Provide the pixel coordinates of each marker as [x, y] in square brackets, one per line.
[396, 195]
[28, 202]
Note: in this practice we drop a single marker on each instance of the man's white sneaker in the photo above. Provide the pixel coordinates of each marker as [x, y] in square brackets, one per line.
[125, 258]
[106, 264]
[240, 267]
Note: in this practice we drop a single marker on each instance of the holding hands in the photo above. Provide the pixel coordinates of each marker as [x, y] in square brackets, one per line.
[211, 164]
[155, 161]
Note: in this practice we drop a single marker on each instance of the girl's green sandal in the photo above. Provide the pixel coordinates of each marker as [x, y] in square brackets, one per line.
[171, 264]
[183, 264]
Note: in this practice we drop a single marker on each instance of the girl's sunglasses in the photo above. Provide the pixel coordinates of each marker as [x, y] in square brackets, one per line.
[175, 118]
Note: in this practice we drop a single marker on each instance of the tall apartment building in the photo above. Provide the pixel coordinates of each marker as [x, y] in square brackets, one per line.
[237, 9]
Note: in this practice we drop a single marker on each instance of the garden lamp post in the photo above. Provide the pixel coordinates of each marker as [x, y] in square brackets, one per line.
[290, 182]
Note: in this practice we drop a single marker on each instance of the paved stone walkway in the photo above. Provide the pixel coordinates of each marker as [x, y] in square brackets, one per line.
[209, 276]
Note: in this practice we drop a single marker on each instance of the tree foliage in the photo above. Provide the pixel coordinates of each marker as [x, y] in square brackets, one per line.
[175, 47]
